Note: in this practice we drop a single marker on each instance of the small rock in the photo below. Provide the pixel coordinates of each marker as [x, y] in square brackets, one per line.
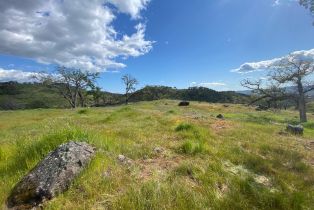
[124, 160]
[220, 116]
[295, 129]
[121, 158]
[184, 103]
[158, 150]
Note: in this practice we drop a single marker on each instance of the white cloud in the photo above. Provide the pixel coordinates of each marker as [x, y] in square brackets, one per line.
[276, 3]
[132, 7]
[76, 33]
[280, 2]
[17, 75]
[207, 84]
[268, 64]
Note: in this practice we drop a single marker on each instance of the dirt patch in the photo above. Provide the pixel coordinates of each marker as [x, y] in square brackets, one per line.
[310, 145]
[220, 125]
[242, 171]
[158, 166]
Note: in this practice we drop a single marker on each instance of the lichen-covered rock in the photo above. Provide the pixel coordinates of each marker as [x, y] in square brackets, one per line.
[295, 129]
[51, 176]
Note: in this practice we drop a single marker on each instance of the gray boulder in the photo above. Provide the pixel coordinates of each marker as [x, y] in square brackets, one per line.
[295, 129]
[51, 176]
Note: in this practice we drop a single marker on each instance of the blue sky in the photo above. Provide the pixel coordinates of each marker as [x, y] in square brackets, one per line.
[194, 42]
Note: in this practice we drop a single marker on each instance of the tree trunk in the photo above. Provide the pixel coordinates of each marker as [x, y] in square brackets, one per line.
[75, 99]
[302, 109]
[82, 99]
[126, 99]
[301, 102]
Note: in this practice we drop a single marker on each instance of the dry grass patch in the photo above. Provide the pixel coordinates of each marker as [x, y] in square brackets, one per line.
[156, 168]
[221, 125]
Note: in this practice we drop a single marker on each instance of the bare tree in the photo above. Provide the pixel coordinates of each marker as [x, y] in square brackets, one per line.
[292, 72]
[308, 4]
[71, 83]
[130, 83]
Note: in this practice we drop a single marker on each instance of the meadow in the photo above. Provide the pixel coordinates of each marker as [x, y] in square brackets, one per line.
[179, 157]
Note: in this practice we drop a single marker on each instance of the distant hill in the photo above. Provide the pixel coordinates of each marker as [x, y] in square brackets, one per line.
[245, 92]
[290, 89]
[150, 93]
[15, 95]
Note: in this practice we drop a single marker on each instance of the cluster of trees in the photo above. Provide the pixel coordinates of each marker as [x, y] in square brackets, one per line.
[77, 86]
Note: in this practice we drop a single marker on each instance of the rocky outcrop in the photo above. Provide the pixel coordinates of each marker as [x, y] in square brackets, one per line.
[51, 176]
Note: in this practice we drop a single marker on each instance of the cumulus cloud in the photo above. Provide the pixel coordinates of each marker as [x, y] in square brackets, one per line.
[207, 84]
[77, 34]
[132, 7]
[17, 75]
[307, 55]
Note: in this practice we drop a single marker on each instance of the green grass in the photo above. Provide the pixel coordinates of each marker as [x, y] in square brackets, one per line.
[192, 147]
[206, 163]
[83, 111]
[184, 127]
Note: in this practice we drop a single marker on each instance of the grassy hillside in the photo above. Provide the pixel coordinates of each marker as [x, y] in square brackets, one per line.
[242, 162]
[29, 96]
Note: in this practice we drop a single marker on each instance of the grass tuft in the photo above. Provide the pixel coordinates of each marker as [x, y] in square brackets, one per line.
[184, 127]
[83, 111]
[191, 147]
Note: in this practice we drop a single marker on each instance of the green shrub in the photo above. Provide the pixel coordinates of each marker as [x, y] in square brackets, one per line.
[83, 111]
[171, 112]
[309, 125]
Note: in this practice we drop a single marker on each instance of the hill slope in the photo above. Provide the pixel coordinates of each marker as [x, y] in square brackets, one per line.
[181, 157]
